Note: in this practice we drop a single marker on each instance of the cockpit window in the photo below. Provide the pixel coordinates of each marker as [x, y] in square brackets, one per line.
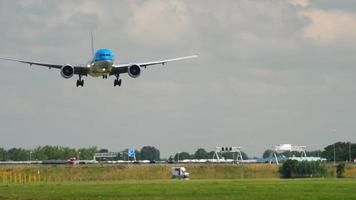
[105, 55]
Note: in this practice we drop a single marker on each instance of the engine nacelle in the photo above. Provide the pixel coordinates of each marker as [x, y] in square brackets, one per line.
[67, 71]
[134, 71]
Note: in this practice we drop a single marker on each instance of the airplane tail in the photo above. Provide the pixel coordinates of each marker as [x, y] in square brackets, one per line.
[92, 43]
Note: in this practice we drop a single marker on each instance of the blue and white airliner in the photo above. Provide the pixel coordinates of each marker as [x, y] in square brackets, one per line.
[101, 65]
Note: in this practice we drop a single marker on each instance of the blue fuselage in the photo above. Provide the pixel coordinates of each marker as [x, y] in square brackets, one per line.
[102, 63]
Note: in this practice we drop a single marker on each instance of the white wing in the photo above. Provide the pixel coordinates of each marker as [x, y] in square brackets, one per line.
[79, 69]
[122, 68]
[145, 64]
[50, 65]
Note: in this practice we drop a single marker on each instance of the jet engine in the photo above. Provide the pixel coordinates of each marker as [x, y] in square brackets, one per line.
[134, 71]
[67, 71]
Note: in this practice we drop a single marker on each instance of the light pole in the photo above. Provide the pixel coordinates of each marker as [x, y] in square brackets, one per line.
[78, 155]
[30, 155]
[334, 154]
[334, 148]
[349, 151]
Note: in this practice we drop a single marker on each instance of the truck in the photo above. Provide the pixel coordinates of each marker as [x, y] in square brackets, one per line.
[179, 173]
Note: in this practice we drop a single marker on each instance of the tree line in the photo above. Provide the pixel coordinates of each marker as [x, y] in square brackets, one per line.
[343, 152]
[63, 153]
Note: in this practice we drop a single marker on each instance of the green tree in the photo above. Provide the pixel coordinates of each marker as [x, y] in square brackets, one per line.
[39, 154]
[201, 154]
[87, 153]
[67, 153]
[295, 169]
[53, 153]
[170, 158]
[3, 154]
[211, 154]
[244, 155]
[268, 153]
[103, 151]
[340, 169]
[288, 168]
[316, 153]
[18, 154]
[182, 156]
[341, 151]
[150, 153]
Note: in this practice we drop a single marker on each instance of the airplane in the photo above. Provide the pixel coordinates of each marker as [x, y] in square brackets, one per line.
[101, 65]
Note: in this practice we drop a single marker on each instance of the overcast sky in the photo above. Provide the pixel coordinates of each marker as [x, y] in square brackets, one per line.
[269, 72]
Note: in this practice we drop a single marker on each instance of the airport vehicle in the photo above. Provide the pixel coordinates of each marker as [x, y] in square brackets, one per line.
[179, 173]
[101, 65]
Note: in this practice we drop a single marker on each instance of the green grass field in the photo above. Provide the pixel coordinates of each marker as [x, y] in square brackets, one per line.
[250, 189]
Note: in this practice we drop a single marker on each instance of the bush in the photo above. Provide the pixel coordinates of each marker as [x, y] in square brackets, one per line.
[340, 169]
[288, 168]
[303, 169]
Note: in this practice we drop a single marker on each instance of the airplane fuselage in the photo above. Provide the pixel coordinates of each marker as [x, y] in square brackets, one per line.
[102, 63]
[100, 68]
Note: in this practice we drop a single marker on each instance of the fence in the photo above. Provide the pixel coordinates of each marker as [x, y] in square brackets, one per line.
[21, 178]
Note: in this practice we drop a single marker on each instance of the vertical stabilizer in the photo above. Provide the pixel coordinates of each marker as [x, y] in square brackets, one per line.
[92, 43]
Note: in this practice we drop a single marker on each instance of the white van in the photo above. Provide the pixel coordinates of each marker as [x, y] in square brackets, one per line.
[179, 173]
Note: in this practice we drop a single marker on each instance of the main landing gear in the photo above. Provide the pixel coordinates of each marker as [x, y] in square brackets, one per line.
[117, 81]
[105, 76]
[80, 82]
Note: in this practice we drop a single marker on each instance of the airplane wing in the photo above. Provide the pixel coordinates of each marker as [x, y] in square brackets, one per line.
[78, 69]
[123, 68]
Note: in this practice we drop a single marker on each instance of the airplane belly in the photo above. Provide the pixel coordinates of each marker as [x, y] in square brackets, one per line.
[100, 68]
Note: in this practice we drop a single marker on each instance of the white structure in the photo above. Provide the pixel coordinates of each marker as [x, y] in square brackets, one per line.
[105, 155]
[307, 158]
[220, 150]
[180, 173]
[290, 148]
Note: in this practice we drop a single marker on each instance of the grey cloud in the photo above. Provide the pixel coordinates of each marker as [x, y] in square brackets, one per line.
[344, 5]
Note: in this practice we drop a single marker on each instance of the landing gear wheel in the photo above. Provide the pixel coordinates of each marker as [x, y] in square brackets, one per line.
[117, 82]
[80, 83]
